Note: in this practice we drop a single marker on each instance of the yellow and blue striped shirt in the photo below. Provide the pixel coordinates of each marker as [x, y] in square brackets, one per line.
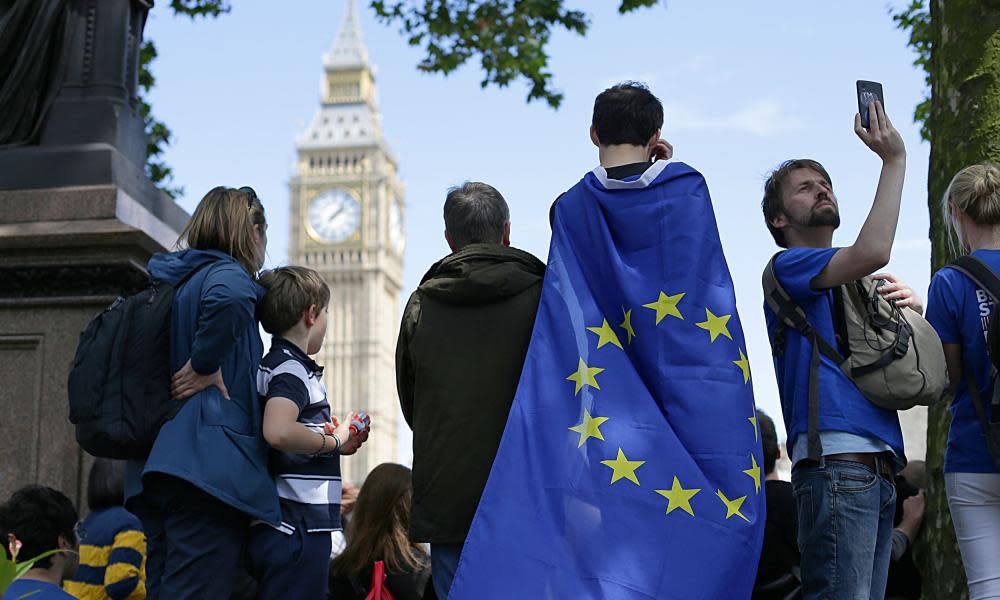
[112, 557]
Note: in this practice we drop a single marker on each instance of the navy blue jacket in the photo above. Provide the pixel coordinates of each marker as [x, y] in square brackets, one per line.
[214, 443]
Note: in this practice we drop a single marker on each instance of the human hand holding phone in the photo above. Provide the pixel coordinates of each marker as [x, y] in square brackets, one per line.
[880, 135]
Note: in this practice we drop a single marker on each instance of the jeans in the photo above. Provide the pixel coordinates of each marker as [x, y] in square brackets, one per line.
[845, 529]
[974, 502]
[194, 540]
[444, 563]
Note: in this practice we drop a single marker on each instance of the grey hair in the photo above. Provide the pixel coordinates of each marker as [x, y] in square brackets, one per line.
[475, 213]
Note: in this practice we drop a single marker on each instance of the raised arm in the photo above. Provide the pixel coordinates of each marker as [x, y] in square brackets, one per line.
[871, 251]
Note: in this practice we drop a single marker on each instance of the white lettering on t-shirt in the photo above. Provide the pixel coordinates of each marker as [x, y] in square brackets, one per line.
[985, 304]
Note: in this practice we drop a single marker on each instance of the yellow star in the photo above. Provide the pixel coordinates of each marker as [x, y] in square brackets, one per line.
[666, 305]
[623, 467]
[584, 375]
[754, 473]
[744, 365]
[715, 325]
[753, 421]
[627, 325]
[732, 506]
[590, 427]
[678, 497]
[605, 335]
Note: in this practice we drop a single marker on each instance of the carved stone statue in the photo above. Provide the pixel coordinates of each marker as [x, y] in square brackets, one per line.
[69, 73]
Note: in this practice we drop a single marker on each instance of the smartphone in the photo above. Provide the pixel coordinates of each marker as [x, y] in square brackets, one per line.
[868, 92]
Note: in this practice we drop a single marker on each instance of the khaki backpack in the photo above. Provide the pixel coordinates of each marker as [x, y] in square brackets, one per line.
[893, 356]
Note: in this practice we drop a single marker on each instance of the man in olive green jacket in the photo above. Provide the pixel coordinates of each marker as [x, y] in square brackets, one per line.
[461, 347]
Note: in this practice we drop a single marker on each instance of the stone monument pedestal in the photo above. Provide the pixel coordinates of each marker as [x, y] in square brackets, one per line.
[65, 254]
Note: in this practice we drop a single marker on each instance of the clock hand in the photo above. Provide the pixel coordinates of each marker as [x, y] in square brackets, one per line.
[335, 214]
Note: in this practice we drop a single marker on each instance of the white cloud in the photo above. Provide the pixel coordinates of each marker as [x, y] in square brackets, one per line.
[762, 118]
[913, 245]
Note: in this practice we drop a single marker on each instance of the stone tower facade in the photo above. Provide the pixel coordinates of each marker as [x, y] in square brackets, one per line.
[347, 223]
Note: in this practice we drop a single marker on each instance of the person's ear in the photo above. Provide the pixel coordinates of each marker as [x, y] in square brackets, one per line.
[780, 221]
[447, 238]
[63, 543]
[593, 136]
[506, 233]
[312, 313]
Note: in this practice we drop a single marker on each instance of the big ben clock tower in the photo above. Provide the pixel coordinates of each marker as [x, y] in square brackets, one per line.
[347, 223]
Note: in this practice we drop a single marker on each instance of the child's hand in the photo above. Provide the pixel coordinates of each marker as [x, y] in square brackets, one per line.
[349, 444]
[341, 429]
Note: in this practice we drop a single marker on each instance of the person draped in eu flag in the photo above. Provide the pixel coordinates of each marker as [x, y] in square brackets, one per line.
[630, 466]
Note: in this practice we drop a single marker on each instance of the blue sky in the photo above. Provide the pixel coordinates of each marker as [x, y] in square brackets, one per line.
[745, 85]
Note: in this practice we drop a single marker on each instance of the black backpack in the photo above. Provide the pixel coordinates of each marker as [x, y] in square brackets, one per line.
[984, 277]
[119, 386]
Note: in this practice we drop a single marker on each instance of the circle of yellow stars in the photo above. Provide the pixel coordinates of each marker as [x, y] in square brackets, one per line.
[622, 468]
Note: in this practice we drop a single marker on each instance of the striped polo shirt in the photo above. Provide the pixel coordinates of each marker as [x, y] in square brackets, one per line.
[309, 488]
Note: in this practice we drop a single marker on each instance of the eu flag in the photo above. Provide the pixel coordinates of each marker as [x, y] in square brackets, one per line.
[630, 466]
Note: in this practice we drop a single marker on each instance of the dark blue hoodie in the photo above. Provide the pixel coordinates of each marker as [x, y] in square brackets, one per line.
[214, 443]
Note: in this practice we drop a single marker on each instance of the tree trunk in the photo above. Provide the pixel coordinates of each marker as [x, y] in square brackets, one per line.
[964, 126]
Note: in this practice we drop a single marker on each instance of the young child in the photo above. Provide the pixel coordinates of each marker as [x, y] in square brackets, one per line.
[112, 543]
[36, 520]
[293, 561]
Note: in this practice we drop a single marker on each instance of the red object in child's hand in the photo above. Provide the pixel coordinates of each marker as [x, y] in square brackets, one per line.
[360, 421]
[329, 428]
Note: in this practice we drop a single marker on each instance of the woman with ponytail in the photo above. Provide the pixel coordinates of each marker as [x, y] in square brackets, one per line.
[960, 312]
[206, 476]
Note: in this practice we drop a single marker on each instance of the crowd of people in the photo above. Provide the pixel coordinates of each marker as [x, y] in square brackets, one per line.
[244, 483]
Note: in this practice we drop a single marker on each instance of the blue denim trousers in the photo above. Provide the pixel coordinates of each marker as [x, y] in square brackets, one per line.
[444, 563]
[845, 529]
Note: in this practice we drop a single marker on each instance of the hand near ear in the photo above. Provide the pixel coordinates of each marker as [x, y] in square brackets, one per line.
[661, 150]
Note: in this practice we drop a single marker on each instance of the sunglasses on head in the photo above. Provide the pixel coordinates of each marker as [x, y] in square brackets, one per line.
[251, 195]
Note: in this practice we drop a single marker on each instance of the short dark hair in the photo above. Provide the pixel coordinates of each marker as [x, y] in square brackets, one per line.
[37, 515]
[290, 292]
[768, 440]
[627, 113]
[475, 213]
[106, 484]
[774, 203]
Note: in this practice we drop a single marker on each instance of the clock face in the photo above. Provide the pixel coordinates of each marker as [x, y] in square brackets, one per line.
[396, 227]
[334, 215]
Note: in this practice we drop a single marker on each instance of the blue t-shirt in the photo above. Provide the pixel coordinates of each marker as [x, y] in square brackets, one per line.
[309, 487]
[960, 312]
[32, 589]
[848, 422]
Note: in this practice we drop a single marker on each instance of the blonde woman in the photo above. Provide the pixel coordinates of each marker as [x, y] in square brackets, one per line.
[206, 477]
[960, 312]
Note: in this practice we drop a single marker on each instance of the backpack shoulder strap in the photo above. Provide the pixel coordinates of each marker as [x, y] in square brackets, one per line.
[980, 273]
[790, 314]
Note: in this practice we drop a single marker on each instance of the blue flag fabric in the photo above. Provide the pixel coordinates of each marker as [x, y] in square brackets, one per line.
[630, 466]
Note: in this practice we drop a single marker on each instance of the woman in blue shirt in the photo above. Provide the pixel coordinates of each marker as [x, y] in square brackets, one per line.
[206, 476]
[960, 312]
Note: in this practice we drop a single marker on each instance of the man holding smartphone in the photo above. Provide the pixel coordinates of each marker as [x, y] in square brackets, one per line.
[845, 493]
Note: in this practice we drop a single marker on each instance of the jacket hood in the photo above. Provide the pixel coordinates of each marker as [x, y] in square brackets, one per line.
[171, 267]
[482, 274]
